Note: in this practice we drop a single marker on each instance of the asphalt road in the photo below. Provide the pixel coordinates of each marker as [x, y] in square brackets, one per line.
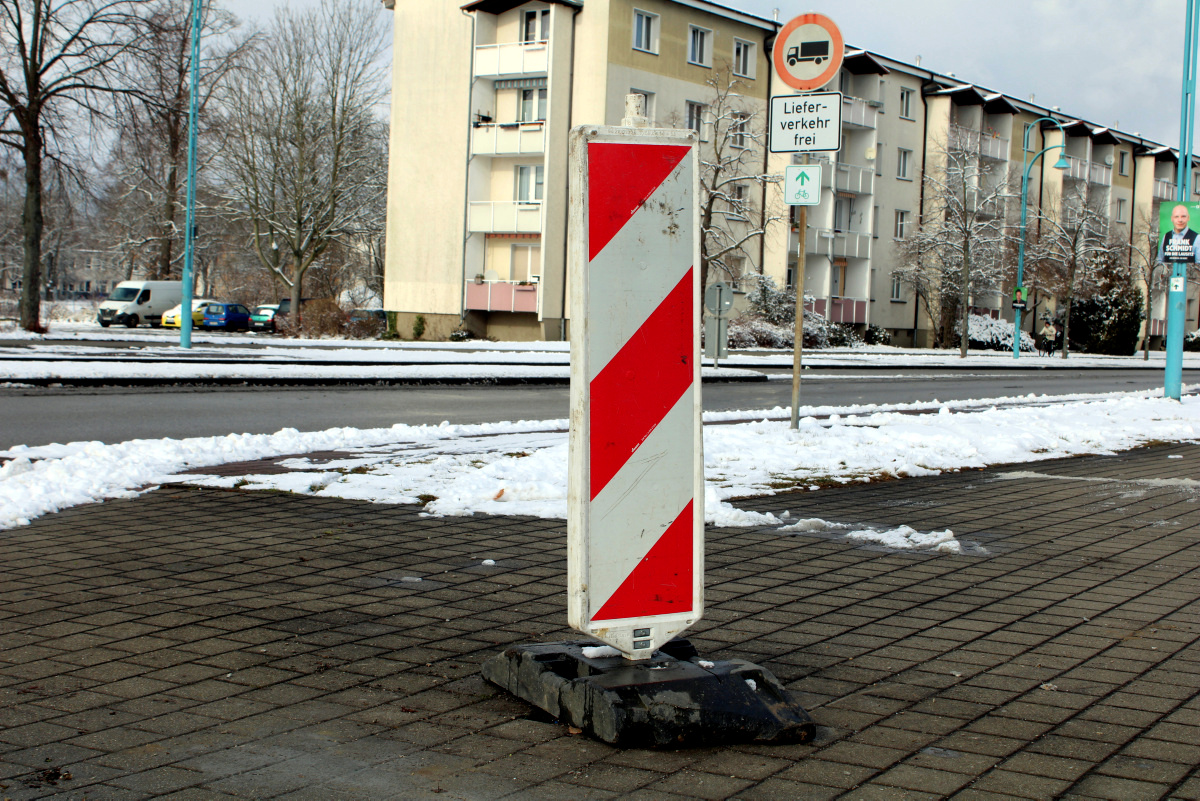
[42, 416]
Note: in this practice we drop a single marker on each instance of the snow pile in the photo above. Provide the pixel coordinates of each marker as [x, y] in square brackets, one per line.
[521, 468]
[907, 538]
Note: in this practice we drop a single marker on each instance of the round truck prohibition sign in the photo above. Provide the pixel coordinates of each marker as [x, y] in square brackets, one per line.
[808, 52]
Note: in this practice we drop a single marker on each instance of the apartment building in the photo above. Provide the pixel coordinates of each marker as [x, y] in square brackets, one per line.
[485, 93]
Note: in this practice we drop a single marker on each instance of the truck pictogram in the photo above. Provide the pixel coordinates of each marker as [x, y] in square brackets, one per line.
[815, 52]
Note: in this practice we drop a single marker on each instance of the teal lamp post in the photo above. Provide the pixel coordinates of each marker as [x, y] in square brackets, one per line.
[189, 238]
[1028, 163]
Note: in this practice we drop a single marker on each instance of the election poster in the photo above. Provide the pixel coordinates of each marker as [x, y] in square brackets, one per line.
[1177, 237]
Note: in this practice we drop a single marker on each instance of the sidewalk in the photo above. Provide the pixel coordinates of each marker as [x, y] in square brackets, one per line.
[208, 644]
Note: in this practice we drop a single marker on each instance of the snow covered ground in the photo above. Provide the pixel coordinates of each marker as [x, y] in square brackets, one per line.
[520, 468]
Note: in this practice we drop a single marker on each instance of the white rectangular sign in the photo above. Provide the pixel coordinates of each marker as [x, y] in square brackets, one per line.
[1178, 283]
[806, 123]
[802, 184]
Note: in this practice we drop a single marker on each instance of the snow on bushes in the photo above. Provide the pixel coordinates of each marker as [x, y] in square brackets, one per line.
[987, 333]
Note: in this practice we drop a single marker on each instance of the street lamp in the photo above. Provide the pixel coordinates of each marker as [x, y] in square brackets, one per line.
[1028, 163]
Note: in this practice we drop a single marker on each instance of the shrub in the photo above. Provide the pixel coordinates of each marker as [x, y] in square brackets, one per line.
[418, 326]
[877, 336]
[1192, 341]
[987, 333]
[461, 335]
[1107, 323]
[320, 317]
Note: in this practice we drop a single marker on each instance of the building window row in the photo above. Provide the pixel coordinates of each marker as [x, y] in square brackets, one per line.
[646, 31]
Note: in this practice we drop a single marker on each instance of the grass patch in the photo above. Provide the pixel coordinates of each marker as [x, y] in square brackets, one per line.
[426, 499]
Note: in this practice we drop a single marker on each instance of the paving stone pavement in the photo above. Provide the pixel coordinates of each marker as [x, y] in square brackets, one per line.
[211, 644]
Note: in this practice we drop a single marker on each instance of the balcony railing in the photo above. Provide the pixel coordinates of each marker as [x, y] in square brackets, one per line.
[842, 177]
[986, 145]
[1077, 168]
[512, 59]
[838, 244]
[858, 113]
[1164, 189]
[847, 310]
[507, 139]
[1100, 174]
[506, 216]
[508, 296]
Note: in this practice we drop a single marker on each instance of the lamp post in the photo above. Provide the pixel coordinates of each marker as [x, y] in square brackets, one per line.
[189, 237]
[1028, 163]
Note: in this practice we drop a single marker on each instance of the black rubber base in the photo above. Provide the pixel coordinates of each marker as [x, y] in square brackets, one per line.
[672, 700]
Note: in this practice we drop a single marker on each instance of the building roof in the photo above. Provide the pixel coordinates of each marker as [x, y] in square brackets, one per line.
[500, 6]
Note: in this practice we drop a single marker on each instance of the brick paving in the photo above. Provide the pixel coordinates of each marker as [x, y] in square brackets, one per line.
[208, 644]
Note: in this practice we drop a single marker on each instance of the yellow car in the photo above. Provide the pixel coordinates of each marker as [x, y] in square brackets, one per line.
[172, 317]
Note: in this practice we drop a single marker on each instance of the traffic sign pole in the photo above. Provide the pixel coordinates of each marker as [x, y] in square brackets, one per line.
[798, 331]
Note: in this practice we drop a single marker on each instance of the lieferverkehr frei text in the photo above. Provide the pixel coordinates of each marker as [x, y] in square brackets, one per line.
[805, 127]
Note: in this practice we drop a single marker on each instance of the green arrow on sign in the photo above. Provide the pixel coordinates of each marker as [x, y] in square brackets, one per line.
[803, 178]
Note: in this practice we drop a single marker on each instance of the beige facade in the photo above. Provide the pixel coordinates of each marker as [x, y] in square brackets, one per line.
[485, 94]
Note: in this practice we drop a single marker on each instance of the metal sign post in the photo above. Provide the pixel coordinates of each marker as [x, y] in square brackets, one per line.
[808, 52]
[718, 302]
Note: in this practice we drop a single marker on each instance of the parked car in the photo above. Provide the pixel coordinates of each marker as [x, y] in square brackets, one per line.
[134, 302]
[226, 316]
[263, 317]
[172, 318]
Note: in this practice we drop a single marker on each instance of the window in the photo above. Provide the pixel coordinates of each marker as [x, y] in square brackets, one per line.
[906, 103]
[649, 101]
[879, 161]
[901, 224]
[1120, 209]
[737, 129]
[695, 118]
[743, 58]
[1026, 138]
[645, 31]
[533, 105]
[529, 183]
[1123, 162]
[699, 46]
[902, 163]
[535, 25]
[897, 288]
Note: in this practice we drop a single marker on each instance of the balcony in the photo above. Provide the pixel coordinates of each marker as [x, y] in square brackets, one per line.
[850, 178]
[505, 217]
[857, 113]
[512, 59]
[505, 296]
[1164, 189]
[838, 244]
[508, 139]
[1100, 174]
[847, 310]
[1077, 169]
[986, 145]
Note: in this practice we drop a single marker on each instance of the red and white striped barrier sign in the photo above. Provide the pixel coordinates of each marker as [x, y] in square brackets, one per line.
[636, 488]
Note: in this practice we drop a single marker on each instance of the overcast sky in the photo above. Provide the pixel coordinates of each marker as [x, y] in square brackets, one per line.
[1110, 62]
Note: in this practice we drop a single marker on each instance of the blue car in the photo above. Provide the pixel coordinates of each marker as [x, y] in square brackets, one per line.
[227, 316]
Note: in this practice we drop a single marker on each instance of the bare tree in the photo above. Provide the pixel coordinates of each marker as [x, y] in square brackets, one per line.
[59, 58]
[732, 216]
[1150, 273]
[302, 163]
[151, 151]
[957, 249]
[1075, 247]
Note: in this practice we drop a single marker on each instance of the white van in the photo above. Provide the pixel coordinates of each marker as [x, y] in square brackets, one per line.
[134, 302]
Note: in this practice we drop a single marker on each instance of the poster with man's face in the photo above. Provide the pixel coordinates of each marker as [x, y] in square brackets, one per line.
[1177, 227]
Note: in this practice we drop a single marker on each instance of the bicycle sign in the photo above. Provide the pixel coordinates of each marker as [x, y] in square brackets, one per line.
[802, 184]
